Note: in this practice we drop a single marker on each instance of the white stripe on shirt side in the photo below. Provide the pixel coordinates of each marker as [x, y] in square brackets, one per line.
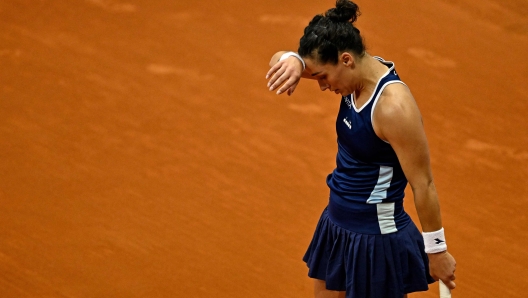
[386, 218]
[379, 193]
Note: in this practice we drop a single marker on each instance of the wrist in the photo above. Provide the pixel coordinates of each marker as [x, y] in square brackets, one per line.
[289, 54]
[435, 241]
[437, 254]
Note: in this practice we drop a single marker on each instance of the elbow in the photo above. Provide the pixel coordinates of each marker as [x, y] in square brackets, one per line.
[422, 185]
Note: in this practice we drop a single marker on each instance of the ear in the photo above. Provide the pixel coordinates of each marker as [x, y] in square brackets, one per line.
[347, 59]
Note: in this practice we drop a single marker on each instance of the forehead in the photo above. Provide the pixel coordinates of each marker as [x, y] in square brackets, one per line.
[316, 68]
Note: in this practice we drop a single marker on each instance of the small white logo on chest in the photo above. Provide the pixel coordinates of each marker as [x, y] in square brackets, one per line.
[348, 123]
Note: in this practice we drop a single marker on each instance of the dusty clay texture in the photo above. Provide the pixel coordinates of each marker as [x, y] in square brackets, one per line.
[143, 156]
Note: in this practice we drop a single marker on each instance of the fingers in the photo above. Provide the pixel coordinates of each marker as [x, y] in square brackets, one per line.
[290, 83]
[450, 284]
[277, 79]
[291, 89]
[448, 280]
[285, 73]
[289, 86]
[273, 69]
[442, 266]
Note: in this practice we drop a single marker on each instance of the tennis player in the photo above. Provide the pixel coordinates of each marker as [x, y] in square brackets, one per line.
[365, 244]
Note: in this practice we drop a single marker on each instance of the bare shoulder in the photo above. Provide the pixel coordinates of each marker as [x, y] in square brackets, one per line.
[395, 98]
[396, 109]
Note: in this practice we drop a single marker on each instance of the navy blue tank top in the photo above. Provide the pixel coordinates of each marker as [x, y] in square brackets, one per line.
[367, 186]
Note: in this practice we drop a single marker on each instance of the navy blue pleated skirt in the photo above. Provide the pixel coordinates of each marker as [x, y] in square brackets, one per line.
[368, 266]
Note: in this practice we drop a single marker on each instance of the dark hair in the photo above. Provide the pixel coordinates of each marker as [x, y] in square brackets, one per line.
[329, 34]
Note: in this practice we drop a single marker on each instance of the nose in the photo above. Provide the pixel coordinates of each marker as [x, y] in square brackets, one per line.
[323, 86]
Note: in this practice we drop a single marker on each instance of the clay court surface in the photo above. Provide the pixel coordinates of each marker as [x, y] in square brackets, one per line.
[142, 155]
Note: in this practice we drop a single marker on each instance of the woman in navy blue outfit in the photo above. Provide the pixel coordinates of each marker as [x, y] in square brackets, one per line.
[365, 244]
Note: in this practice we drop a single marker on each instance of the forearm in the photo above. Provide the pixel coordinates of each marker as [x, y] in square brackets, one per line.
[441, 263]
[275, 58]
[427, 207]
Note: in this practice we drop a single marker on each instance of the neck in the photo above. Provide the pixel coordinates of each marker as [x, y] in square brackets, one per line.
[371, 70]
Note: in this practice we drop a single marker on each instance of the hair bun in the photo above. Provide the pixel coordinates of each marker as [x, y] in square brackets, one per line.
[345, 11]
